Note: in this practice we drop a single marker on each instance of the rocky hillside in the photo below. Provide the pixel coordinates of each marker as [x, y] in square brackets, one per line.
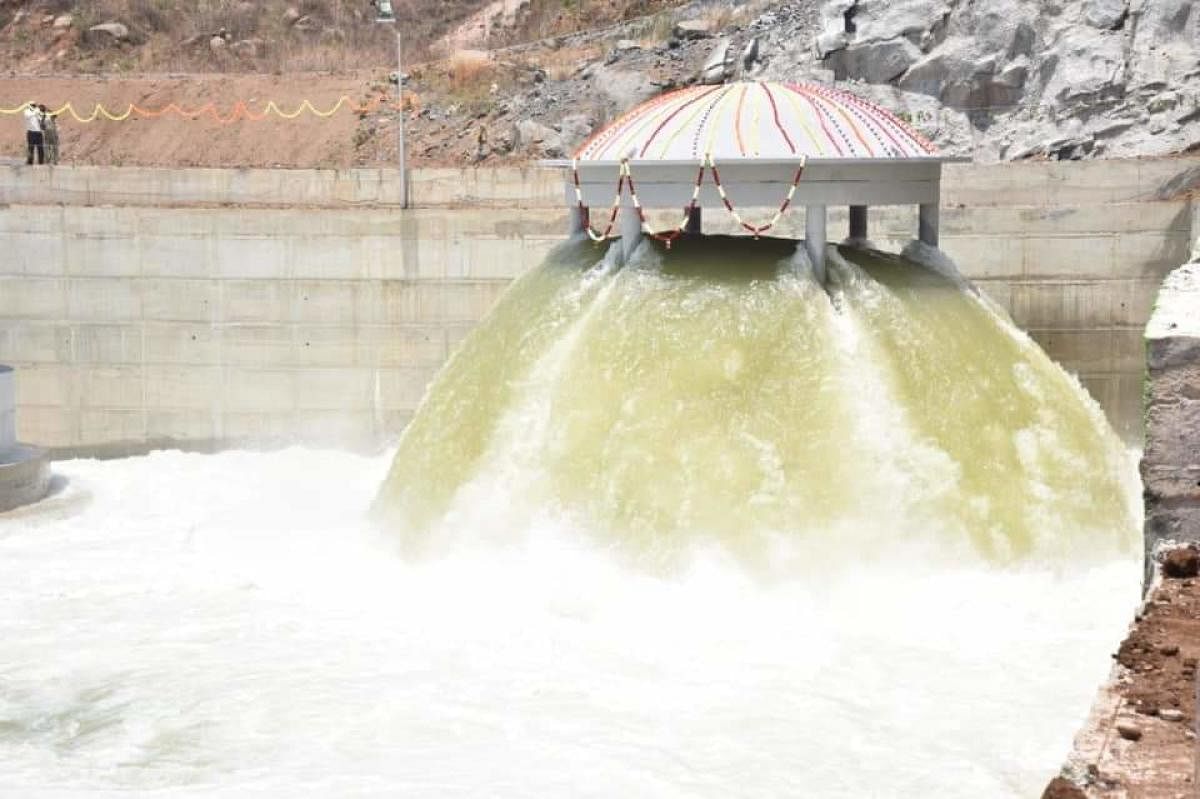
[1020, 78]
[45, 37]
[991, 79]
[499, 81]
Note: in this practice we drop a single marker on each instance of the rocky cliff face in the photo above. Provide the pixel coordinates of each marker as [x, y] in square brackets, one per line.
[1018, 78]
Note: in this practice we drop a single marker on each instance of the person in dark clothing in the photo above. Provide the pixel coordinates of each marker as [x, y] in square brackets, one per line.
[49, 134]
[34, 141]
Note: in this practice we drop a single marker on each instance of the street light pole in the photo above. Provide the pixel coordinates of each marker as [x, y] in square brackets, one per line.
[385, 13]
[400, 117]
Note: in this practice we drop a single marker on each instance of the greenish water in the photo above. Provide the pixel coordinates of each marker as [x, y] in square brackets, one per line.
[713, 392]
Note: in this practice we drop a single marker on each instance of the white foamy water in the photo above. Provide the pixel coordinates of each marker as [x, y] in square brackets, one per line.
[232, 625]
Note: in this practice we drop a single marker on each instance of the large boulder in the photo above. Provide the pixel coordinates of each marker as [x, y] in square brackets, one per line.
[1004, 28]
[719, 65]
[1084, 64]
[249, 48]
[1164, 20]
[625, 89]
[575, 128]
[874, 61]
[538, 138]
[112, 32]
[885, 20]
[830, 41]
[692, 29]
[958, 75]
[751, 56]
[1105, 14]
[1163, 47]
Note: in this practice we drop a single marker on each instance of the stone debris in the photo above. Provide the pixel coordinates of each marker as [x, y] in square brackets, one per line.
[750, 55]
[250, 48]
[719, 66]
[114, 31]
[1129, 731]
[1062, 788]
[1181, 563]
[1155, 678]
[692, 29]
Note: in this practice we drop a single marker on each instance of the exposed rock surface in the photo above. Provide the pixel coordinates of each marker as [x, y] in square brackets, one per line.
[1020, 78]
[991, 79]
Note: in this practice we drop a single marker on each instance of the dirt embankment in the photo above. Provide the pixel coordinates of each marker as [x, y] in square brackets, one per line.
[307, 141]
[1141, 742]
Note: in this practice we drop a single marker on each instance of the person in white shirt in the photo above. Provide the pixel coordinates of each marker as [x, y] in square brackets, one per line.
[34, 140]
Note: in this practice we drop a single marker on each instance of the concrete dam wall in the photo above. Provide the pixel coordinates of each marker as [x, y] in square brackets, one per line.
[219, 307]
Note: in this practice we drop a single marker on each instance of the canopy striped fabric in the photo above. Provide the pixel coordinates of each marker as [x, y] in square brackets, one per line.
[756, 120]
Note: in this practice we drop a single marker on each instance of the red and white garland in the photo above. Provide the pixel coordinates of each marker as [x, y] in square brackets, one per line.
[583, 209]
[757, 230]
[625, 175]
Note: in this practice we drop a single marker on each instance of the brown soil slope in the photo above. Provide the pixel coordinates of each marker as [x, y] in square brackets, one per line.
[304, 142]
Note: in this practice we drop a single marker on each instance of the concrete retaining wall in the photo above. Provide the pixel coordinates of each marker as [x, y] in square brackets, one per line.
[229, 306]
[1171, 459]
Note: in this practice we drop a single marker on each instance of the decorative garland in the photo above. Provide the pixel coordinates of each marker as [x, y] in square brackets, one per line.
[756, 230]
[625, 175]
[668, 236]
[583, 209]
[237, 112]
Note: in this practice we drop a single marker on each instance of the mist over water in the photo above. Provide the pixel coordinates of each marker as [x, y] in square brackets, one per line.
[690, 527]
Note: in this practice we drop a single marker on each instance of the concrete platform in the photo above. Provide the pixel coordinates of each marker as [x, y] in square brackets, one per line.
[24, 470]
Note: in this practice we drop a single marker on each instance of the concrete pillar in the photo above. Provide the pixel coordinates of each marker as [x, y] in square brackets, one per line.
[814, 239]
[577, 220]
[692, 227]
[8, 409]
[858, 221]
[927, 224]
[631, 226]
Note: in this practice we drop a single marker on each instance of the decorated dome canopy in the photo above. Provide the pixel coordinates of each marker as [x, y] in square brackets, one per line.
[761, 120]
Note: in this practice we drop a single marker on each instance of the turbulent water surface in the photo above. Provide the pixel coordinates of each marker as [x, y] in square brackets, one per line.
[688, 528]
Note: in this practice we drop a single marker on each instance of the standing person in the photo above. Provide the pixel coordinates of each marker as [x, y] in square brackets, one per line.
[50, 134]
[33, 135]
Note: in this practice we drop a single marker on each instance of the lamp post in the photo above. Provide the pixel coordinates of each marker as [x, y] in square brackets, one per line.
[386, 14]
